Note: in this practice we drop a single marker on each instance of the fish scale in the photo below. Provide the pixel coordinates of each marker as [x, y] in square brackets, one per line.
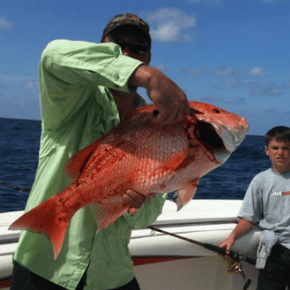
[142, 155]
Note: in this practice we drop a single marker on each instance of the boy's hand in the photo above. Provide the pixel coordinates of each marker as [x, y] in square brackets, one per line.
[227, 244]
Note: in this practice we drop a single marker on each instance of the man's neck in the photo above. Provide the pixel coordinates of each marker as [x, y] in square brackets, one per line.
[125, 102]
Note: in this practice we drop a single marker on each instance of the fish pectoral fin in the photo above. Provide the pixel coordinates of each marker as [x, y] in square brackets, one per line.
[95, 209]
[110, 212]
[190, 157]
[173, 162]
[184, 195]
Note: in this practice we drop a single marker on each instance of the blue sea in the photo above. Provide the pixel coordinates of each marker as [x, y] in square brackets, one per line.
[19, 146]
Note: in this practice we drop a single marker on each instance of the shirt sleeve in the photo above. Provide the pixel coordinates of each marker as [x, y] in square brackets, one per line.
[79, 62]
[252, 207]
[70, 72]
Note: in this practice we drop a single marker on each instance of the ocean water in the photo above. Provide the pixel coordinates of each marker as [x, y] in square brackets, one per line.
[19, 146]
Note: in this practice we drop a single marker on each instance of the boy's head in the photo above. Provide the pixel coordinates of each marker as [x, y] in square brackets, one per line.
[278, 148]
[280, 133]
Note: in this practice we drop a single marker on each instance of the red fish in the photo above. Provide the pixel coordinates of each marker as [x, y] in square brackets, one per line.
[142, 155]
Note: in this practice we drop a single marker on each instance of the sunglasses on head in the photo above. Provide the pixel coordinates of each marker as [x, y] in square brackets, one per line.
[135, 46]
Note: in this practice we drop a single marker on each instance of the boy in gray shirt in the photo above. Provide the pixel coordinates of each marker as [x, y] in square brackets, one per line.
[267, 204]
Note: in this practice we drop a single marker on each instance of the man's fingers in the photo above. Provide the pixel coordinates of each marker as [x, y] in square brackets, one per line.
[134, 199]
[170, 116]
[132, 210]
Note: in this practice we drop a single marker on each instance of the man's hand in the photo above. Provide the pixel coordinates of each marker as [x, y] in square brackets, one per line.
[135, 200]
[170, 100]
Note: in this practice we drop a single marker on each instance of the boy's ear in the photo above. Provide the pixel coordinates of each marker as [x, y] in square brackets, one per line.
[266, 150]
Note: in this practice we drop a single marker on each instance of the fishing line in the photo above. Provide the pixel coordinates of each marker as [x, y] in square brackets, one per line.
[15, 188]
[235, 256]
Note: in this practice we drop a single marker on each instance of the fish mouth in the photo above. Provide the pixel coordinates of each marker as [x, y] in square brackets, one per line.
[207, 135]
[219, 138]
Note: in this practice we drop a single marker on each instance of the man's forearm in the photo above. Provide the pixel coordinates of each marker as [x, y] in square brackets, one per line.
[170, 99]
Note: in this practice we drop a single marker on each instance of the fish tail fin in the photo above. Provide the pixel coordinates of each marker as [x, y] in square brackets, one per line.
[48, 218]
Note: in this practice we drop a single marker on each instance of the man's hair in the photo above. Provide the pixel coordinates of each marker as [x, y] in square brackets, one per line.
[127, 19]
[280, 133]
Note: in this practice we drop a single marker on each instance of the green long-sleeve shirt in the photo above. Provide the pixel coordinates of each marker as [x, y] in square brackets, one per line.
[76, 109]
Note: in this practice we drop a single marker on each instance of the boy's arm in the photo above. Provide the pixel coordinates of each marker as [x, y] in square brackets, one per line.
[241, 228]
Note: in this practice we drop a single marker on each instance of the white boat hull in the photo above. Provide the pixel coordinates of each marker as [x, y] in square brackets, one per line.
[196, 273]
[206, 221]
[166, 262]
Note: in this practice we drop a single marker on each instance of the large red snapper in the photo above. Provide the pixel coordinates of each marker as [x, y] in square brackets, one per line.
[142, 155]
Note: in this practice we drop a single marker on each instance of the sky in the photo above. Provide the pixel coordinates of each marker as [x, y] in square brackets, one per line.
[230, 53]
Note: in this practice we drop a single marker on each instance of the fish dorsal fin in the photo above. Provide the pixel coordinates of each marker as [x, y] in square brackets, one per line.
[76, 163]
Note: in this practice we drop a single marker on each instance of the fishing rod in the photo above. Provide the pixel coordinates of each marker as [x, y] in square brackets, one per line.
[210, 247]
[222, 251]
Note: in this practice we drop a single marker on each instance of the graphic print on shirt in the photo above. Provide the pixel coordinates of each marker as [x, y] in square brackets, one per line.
[281, 193]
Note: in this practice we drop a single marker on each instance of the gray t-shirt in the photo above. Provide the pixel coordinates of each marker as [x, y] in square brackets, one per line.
[267, 203]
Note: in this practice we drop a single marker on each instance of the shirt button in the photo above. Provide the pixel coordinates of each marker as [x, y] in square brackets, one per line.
[116, 77]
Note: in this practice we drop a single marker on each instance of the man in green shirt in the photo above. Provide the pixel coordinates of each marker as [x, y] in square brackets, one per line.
[86, 89]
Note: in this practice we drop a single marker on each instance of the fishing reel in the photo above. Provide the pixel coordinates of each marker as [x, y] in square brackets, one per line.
[233, 258]
[235, 267]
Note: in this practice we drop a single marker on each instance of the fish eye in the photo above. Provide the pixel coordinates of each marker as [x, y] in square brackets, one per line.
[215, 110]
[155, 113]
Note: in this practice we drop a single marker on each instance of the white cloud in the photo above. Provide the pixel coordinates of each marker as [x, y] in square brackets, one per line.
[5, 24]
[268, 89]
[213, 99]
[232, 84]
[274, 1]
[257, 71]
[205, 1]
[171, 25]
[286, 85]
[161, 67]
[235, 79]
[30, 85]
[197, 72]
[224, 71]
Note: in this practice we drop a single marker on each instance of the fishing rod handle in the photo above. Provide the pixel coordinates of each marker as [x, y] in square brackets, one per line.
[218, 250]
[248, 260]
[222, 251]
